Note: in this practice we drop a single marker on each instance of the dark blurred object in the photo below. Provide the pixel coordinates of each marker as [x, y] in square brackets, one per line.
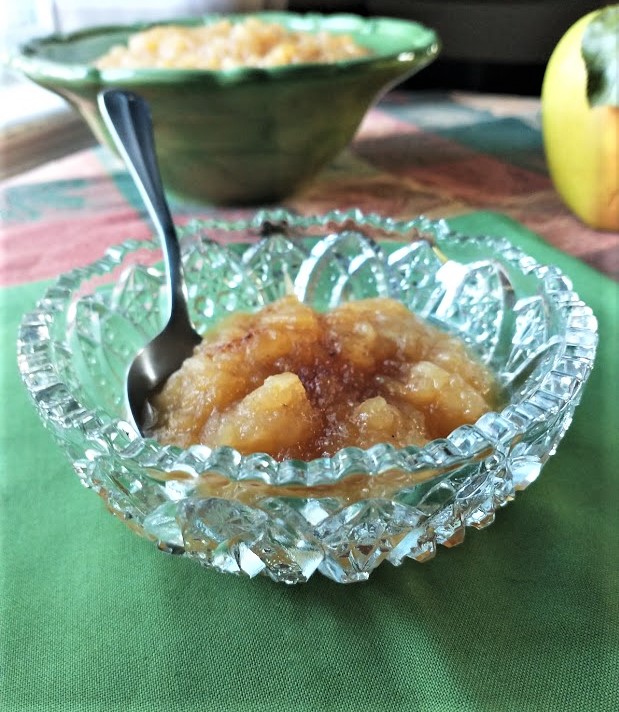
[356, 6]
[485, 77]
[497, 46]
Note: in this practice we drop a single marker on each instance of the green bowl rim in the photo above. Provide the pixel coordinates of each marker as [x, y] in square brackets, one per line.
[424, 45]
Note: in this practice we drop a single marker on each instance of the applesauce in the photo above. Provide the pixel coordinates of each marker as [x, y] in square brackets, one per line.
[295, 383]
[251, 42]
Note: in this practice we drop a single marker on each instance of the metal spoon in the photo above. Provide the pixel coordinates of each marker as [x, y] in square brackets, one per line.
[127, 117]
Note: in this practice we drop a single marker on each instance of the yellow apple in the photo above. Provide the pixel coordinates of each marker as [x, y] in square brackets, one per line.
[581, 128]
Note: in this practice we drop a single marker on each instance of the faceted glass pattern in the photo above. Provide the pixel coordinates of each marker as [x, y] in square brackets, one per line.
[341, 516]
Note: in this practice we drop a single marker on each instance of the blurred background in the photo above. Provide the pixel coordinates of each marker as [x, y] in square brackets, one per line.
[488, 45]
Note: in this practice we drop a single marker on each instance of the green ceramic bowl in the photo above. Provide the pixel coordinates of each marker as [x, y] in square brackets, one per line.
[240, 135]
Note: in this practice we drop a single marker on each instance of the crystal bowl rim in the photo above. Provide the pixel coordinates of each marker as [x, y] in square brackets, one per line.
[372, 460]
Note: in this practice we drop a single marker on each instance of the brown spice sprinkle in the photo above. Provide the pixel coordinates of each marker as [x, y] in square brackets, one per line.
[296, 383]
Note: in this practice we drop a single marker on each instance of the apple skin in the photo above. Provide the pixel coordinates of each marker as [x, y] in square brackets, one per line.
[581, 142]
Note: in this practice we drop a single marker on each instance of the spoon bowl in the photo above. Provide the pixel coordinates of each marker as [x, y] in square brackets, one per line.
[128, 120]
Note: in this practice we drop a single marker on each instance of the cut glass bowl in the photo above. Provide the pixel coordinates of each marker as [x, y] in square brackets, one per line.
[341, 516]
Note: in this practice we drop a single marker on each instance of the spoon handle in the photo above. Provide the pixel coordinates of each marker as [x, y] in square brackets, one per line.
[129, 122]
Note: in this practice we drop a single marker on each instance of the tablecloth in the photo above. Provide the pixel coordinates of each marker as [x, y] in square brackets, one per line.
[524, 615]
[436, 154]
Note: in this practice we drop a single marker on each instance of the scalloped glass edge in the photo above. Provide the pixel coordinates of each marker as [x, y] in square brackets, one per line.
[28, 57]
[458, 481]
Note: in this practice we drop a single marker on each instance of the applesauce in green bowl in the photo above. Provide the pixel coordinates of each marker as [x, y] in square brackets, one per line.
[240, 134]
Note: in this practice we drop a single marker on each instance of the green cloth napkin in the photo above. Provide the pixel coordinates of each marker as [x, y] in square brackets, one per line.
[524, 615]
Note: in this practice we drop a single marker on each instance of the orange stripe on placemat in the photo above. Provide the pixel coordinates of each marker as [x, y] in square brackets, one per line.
[452, 169]
[378, 123]
[41, 250]
[84, 164]
[482, 181]
[397, 147]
